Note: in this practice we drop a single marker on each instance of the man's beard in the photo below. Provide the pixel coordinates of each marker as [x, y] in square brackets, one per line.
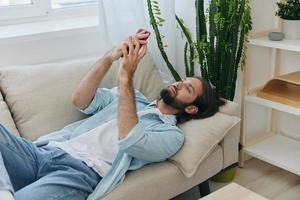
[171, 101]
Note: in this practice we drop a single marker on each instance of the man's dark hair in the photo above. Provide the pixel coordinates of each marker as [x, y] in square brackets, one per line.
[208, 104]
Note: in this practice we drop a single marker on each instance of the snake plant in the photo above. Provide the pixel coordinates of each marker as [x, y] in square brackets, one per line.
[220, 44]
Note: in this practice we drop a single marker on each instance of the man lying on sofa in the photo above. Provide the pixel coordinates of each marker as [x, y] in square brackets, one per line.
[124, 132]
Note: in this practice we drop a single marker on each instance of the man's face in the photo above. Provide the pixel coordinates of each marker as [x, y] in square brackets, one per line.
[183, 93]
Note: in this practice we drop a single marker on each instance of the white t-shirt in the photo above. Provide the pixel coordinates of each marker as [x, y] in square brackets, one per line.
[98, 147]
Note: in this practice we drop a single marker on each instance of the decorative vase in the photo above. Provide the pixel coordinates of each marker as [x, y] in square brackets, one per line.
[225, 176]
[291, 29]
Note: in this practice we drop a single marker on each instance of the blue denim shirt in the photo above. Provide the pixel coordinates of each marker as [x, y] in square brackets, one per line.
[154, 138]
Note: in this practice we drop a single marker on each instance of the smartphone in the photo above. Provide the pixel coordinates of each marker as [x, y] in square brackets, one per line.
[140, 30]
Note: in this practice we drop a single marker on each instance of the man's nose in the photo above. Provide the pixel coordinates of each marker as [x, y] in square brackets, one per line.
[179, 85]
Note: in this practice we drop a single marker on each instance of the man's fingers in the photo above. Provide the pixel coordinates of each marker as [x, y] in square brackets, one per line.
[145, 50]
[130, 44]
[124, 50]
[142, 52]
[143, 42]
[136, 45]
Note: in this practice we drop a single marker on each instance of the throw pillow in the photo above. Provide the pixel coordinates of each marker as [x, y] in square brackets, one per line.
[201, 137]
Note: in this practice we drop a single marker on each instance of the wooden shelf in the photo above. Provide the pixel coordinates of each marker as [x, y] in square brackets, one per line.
[293, 78]
[283, 89]
[281, 93]
[290, 45]
[278, 150]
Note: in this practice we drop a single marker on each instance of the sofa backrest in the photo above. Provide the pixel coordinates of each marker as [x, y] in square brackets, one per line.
[39, 96]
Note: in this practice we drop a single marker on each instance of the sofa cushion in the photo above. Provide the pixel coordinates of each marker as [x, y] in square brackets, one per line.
[39, 96]
[230, 108]
[6, 118]
[144, 184]
[201, 137]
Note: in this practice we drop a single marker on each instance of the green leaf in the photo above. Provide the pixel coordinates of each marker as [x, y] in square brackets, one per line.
[160, 19]
[156, 7]
[155, 2]
[156, 10]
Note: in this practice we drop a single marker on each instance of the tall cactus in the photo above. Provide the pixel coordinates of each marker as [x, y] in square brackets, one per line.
[189, 66]
[156, 21]
[245, 27]
[220, 46]
[201, 34]
[229, 25]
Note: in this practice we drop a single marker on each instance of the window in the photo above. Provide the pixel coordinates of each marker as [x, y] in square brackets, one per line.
[12, 9]
[21, 9]
[72, 3]
[14, 2]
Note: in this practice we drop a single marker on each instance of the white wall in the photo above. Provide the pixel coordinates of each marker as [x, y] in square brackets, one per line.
[52, 47]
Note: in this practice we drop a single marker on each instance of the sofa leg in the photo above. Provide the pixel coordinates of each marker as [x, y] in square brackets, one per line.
[204, 188]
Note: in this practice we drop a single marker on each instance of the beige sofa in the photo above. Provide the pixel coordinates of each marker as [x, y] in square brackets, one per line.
[36, 100]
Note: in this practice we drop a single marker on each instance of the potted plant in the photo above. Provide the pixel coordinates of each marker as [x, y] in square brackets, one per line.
[219, 47]
[289, 12]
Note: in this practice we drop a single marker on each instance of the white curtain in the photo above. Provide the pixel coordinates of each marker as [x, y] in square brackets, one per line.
[121, 18]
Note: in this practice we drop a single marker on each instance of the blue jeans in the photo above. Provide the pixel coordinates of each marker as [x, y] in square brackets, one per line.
[45, 173]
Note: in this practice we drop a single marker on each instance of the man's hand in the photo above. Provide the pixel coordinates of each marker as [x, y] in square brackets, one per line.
[133, 52]
[127, 115]
[117, 52]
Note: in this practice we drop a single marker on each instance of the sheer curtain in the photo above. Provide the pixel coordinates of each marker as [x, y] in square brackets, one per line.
[121, 18]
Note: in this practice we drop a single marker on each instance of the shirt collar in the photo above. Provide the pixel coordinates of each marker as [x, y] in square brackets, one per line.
[168, 119]
[153, 104]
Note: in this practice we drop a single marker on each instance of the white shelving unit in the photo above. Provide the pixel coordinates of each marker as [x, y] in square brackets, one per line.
[277, 150]
[290, 45]
[271, 146]
[272, 104]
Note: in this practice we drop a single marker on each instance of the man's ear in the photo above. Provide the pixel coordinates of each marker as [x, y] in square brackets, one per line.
[191, 109]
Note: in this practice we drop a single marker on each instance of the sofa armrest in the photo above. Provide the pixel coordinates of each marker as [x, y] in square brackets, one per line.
[230, 143]
[230, 146]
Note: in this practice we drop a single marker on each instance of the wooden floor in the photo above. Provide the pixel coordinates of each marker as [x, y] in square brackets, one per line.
[269, 181]
[262, 178]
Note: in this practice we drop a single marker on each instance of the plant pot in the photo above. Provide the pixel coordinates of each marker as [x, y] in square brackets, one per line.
[291, 29]
[225, 176]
